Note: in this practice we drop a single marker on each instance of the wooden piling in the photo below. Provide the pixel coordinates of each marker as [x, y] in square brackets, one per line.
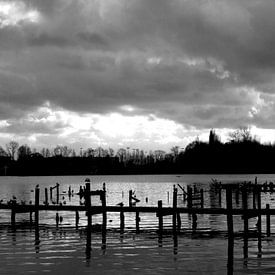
[31, 217]
[76, 218]
[175, 195]
[229, 212]
[202, 198]
[259, 222]
[36, 213]
[46, 196]
[13, 216]
[130, 198]
[51, 193]
[159, 213]
[104, 212]
[267, 220]
[57, 192]
[245, 217]
[122, 219]
[88, 203]
[137, 222]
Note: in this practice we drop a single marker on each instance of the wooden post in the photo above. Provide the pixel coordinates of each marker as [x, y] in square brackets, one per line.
[46, 196]
[259, 222]
[267, 220]
[137, 222]
[56, 219]
[76, 218]
[36, 214]
[202, 199]
[104, 213]
[88, 202]
[245, 218]
[229, 212]
[31, 217]
[122, 218]
[160, 216]
[57, 192]
[130, 198]
[51, 193]
[175, 194]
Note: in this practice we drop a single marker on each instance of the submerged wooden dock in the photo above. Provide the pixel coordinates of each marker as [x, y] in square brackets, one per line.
[193, 196]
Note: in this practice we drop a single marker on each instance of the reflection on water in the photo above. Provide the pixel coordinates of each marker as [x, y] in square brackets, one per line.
[77, 251]
[202, 247]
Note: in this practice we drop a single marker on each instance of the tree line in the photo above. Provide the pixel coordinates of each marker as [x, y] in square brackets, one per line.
[242, 153]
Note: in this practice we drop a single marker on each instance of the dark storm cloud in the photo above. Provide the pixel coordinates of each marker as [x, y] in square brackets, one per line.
[201, 63]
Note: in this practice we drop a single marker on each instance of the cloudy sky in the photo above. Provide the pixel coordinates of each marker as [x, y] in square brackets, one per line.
[137, 73]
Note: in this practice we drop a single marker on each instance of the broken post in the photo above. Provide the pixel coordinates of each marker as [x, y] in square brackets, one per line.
[46, 196]
[137, 222]
[36, 213]
[175, 195]
[122, 219]
[104, 212]
[159, 214]
[76, 218]
[57, 192]
[88, 202]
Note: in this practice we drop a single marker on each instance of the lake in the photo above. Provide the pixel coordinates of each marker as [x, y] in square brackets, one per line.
[65, 249]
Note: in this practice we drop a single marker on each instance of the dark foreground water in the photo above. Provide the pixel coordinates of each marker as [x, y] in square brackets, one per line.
[67, 250]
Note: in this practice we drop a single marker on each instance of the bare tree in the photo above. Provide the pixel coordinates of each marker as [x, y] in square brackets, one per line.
[240, 135]
[12, 148]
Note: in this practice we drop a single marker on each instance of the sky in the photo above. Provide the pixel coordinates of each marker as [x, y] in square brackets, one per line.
[148, 74]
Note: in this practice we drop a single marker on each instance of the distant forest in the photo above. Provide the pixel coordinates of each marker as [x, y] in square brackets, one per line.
[242, 153]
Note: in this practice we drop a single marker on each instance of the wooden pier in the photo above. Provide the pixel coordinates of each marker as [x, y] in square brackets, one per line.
[191, 195]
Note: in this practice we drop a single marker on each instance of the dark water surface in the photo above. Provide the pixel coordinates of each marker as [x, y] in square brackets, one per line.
[67, 250]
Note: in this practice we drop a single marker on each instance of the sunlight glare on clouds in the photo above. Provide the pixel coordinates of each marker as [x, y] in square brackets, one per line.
[16, 13]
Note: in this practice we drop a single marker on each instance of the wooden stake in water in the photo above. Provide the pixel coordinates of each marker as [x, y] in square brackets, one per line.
[57, 192]
[88, 203]
[122, 219]
[159, 214]
[36, 214]
[137, 222]
[229, 212]
[76, 218]
[104, 212]
[259, 222]
[46, 196]
[175, 195]
[245, 218]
